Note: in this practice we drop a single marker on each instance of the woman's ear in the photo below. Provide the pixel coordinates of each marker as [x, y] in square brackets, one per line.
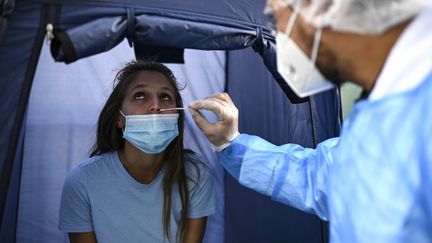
[120, 121]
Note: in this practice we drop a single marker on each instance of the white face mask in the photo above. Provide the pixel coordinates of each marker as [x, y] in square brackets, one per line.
[297, 69]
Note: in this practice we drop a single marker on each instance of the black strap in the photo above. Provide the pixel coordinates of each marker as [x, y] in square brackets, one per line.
[62, 48]
[258, 45]
[130, 31]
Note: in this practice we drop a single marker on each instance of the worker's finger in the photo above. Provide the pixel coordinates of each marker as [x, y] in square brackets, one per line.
[221, 97]
[200, 120]
[208, 104]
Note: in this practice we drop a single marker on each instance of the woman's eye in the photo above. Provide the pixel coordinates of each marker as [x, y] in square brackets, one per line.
[166, 97]
[139, 96]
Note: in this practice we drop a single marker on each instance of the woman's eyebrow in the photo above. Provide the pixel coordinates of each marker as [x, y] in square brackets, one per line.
[166, 88]
[138, 87]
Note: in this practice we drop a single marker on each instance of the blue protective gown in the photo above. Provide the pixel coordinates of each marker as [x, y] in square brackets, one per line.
[374, 183]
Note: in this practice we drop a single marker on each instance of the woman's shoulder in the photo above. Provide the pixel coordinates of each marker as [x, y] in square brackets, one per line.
[96, 160]
[192, 156]
[201, 185]
[195, 165]
[90, 165]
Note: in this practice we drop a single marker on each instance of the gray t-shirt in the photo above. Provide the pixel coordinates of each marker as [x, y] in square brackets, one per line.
[99, 195]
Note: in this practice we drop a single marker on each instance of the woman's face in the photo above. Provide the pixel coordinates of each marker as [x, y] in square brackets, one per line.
[148, 91]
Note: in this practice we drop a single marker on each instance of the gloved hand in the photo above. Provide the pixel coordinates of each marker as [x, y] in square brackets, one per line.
[225, 129]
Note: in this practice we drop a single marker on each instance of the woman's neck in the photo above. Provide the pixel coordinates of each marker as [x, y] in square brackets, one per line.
[144, 168]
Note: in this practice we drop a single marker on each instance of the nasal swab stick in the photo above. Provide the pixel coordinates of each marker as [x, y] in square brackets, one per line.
[169, 109]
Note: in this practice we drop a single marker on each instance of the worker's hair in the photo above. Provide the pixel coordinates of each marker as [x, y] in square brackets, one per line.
[110, 138]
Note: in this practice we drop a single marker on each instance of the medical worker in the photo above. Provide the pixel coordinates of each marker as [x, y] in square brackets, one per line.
[374, 182]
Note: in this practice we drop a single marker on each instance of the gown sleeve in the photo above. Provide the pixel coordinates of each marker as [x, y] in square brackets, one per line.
[290, 174]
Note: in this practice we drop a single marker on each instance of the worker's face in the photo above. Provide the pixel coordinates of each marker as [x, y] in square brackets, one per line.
[303, 35]
[146, 93]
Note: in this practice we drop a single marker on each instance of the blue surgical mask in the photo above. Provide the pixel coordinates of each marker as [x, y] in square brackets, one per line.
[151, 133]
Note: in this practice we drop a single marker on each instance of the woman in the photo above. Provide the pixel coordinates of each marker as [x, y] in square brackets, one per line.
[139, 184]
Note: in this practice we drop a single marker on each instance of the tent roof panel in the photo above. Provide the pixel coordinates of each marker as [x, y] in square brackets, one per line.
[242, 10]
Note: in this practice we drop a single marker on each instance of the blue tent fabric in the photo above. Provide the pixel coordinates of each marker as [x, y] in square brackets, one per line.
[9, 221]
[17, 66]
[264, 110]
[233, 21]
[208, 24]
[205, 25]
[234, 11]
[6, 8]
[103, 34]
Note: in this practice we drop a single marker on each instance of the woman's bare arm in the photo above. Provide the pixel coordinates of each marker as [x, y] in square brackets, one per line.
[195, 229]
[87, 237]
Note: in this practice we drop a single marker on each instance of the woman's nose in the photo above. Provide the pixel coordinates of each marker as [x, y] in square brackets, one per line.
[154, 107]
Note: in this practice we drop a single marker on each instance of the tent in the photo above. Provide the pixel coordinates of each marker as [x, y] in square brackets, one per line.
[56, 63]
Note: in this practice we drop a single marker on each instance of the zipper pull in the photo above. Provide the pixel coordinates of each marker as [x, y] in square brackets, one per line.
[49, 33]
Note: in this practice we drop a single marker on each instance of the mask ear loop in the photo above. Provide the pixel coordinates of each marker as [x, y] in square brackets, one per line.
[291, 22]
[123, 128]
[315, 47]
